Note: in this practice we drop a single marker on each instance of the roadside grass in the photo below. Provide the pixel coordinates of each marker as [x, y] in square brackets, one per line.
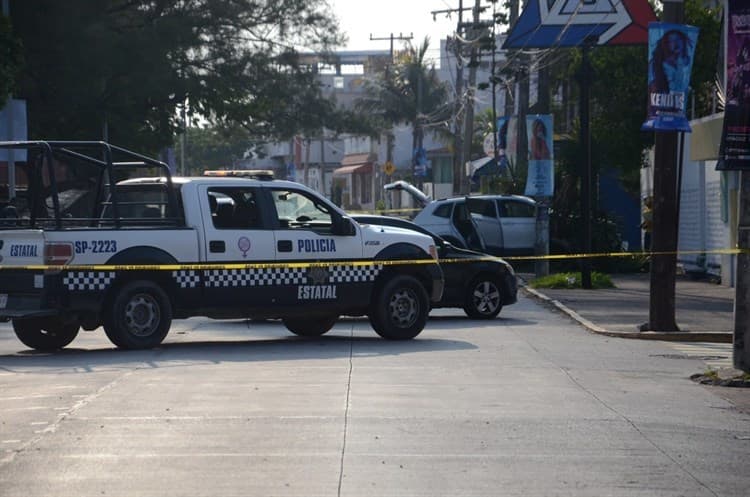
[571, 280]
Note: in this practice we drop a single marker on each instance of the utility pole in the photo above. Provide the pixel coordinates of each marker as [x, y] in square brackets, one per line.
[541, 245]
[400, 37]
[585, 83]
[742, 281]
[665, 230]
[470, 89]
[458, 165]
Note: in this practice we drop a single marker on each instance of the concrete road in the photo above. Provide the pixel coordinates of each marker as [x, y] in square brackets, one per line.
[529, 404]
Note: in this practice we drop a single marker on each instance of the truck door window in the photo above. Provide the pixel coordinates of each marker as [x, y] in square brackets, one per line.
[296, 210]
[233, 208]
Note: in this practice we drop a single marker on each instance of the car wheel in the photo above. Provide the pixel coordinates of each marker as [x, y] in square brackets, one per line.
[483, 298]
[140, 316]
[310, 327]
[400, 309]
[45, 333]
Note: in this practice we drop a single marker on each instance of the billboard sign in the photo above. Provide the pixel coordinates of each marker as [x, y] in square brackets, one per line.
[567, 23]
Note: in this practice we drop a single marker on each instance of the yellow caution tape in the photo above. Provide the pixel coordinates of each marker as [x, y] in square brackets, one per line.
[627, 254]
[356, 263]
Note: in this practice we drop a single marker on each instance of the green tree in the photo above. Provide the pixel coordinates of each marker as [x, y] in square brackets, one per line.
[215, 148]
[408, 92]
[10, 59]
[132, 64]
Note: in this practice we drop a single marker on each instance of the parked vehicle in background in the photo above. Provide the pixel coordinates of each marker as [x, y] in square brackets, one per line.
[479, 284]
[495, 224]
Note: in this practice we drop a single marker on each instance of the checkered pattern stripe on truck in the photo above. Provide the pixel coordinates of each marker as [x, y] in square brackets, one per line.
[221, 278]
[88, 280]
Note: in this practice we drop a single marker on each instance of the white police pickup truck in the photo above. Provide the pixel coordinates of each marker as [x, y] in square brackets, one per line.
[106, 237]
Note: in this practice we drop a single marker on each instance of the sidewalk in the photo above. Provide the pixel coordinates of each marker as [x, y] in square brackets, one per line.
[704, 311]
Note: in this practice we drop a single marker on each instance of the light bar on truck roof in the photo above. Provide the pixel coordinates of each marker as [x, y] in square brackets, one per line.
[264, 174]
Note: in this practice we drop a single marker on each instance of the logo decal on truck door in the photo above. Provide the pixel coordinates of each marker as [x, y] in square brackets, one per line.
[244, 245]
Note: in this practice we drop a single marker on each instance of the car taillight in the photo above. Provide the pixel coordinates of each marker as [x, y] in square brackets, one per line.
[433, 252]
[58, 254]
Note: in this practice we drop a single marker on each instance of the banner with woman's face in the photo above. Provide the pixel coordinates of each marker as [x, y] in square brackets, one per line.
[671, 49]
[540, 181]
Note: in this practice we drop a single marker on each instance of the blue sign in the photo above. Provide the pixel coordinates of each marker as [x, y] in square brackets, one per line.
[421, 164]
[567, 23]
[671, 48]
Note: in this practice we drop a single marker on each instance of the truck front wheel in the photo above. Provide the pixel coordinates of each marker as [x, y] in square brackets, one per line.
[400, 309]
[310, 327]
[140, 316]
[45, 333]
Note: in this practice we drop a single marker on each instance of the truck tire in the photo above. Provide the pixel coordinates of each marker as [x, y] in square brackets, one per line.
[483, 298]
[140, 316]
[310, 327]
[45, 333]
[400, 309]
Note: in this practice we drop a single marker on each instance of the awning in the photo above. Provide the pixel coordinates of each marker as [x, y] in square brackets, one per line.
[358, 169]
[358, 159]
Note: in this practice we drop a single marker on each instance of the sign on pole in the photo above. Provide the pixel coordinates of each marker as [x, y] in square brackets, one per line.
[671, 49]
[734, 151]
[540, 181]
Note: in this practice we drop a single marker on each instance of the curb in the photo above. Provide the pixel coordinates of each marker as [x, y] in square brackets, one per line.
[671, 336]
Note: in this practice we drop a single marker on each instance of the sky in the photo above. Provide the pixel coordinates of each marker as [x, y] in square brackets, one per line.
[361, 18]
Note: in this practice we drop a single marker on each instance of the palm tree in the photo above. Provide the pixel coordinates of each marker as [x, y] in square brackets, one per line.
[408, 92]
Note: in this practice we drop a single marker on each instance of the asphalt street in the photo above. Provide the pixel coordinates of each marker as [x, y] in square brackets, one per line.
[529, 404]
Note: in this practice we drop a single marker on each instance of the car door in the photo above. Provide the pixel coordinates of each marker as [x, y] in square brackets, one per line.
[233, 226]
[466, 226]
[485, 215]
[236, 233]
[304, 228]
[304, 231]
[518, 221]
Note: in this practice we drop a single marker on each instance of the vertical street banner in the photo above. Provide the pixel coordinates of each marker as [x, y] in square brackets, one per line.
[734, 153]
[671, 48]
[540, 181]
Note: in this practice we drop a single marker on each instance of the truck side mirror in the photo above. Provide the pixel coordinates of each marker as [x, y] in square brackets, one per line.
[343, 226]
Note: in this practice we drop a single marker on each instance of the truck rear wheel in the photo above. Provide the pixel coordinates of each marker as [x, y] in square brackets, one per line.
[400, 310]
[310, 327]
[140, 316]
[45, 333]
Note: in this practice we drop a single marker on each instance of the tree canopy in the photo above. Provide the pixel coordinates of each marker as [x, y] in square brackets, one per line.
[10, 59]
[408, 92]
[130, 65]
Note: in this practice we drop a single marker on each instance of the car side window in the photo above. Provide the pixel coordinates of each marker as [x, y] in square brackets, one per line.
[482, 207]
[297, 210]
[514, 208]
[443, 211]
[233, 208]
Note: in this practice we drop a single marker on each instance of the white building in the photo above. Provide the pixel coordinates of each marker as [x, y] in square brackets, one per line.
[708, 204]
